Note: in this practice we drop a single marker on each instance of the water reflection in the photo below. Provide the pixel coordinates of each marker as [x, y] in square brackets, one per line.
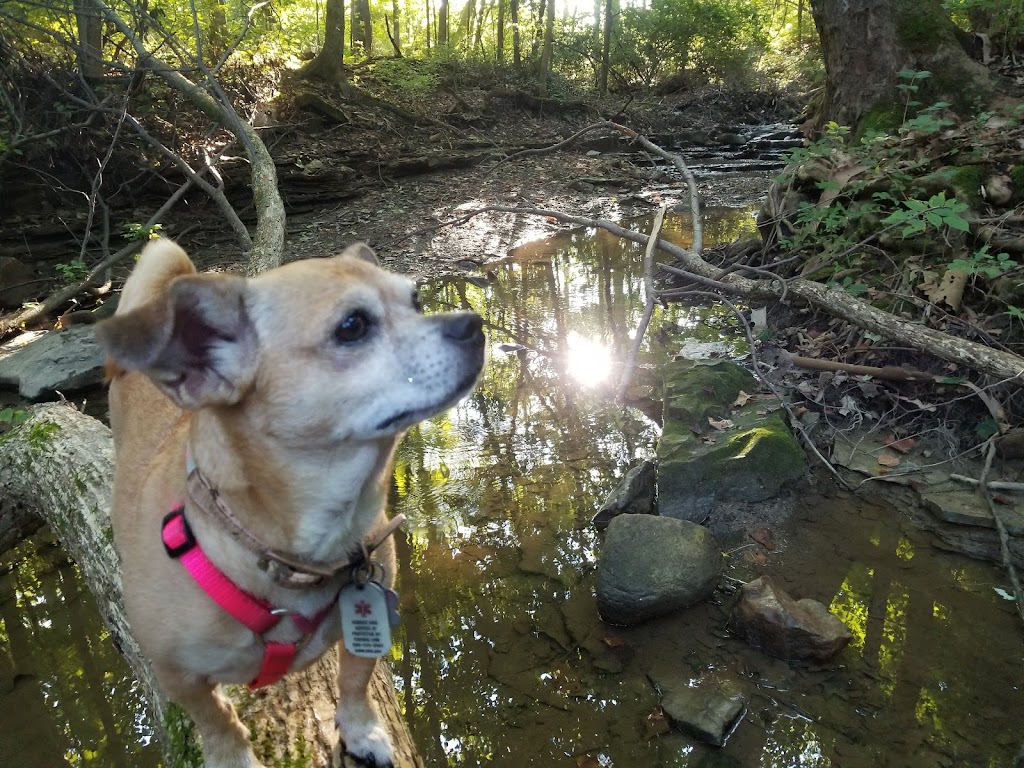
[67, 698]
[502, 659]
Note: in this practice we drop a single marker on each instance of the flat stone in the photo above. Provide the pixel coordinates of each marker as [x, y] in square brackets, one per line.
[62, 361]
[960, 507]
[708, 711]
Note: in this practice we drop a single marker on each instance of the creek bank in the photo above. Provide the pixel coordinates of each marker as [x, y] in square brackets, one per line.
[916, 478]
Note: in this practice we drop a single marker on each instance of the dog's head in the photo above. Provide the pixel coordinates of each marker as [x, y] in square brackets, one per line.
[314, 352]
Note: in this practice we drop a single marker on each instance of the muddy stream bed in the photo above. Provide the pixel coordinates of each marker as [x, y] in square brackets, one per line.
[501, 658]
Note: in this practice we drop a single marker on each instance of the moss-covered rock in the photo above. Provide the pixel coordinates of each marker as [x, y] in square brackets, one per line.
[749, 461]
[967, 180]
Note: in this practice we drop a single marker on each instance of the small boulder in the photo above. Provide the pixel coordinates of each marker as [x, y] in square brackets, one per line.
[634, 495]
[652, 565]
[708, 711]
[772, 621]
[56, 361]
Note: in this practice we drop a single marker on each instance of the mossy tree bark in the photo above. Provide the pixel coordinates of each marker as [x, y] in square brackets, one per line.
[866, 43]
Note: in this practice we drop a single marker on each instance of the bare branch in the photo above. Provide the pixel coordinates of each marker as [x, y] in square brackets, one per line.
[650, 297]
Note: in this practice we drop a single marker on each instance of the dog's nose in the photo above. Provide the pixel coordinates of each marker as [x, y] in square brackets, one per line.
[464, 326]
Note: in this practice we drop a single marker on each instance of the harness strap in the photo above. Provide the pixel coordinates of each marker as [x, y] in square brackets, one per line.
[255, 613]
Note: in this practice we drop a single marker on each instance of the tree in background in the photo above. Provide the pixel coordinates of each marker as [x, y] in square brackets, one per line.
[329, 63]
[867, 43]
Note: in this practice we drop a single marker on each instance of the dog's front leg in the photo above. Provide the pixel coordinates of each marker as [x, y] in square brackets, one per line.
[365, 736]
[225, 739]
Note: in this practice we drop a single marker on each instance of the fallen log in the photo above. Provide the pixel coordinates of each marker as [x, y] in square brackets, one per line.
[60, 463]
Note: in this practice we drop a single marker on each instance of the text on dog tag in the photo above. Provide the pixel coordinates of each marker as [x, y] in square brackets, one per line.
[365, 619]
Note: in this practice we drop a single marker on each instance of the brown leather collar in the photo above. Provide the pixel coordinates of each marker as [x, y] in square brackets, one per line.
[286, 569]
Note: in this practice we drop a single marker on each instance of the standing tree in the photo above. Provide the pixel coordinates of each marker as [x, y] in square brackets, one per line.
[549, 38]
[90, 39]
[517, 52]
[442, 25]
[362, 28]
[329, 64]
[866, 43]
[606, 47]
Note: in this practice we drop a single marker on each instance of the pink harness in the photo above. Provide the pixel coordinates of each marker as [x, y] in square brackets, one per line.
[254, 612]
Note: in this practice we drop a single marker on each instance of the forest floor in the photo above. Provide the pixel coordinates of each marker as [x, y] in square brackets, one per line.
[410, 219]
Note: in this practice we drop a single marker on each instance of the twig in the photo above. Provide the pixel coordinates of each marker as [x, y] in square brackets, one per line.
[995, 485]
[1004, 538]
[650, 297]
[216, 193]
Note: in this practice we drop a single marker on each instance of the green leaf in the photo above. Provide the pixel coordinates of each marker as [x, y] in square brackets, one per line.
[958, 223]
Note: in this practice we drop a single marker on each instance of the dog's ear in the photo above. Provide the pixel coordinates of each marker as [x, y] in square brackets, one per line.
[195, 341]
[360, 251]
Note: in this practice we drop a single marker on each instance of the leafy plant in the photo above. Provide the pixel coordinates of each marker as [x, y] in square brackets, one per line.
[141, 231]
[938, 210]
[72, 271]
[985, 264]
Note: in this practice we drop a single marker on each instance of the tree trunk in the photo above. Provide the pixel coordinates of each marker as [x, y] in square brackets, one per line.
[865, 44]
[329, 64]
[89, 20]
[545, 55]
[606, 46]
[362, 29]
[442, 24]
[517, 52]
[499, 44]
[61, 464]
[396, 36]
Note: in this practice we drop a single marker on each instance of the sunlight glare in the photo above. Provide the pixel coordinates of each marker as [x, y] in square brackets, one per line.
[588, 361]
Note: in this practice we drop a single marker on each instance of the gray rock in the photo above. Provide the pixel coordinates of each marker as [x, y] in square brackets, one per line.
[652, 565]
[634, 495]
[57, 361]
[773, 622]
[708, 711]
[731, 139]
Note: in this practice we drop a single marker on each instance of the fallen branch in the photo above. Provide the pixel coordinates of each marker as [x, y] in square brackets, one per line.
[96, 277]
[995, 485]
[834, 301]
[886, 373]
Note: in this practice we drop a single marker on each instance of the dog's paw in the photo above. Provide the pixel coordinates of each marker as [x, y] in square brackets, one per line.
[366, 739]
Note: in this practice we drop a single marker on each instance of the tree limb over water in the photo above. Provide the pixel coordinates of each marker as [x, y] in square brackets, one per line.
[834, 301]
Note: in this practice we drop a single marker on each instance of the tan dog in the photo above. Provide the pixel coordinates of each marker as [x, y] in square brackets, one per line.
[287, 392]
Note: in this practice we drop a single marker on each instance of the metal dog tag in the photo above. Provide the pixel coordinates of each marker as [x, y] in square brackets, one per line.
[365, 619]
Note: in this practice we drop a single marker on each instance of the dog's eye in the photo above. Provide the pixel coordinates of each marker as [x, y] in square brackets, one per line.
[352, 328]
[417, 303]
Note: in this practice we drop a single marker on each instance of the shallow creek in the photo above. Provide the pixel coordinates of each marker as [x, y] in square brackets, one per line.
[501, 658]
